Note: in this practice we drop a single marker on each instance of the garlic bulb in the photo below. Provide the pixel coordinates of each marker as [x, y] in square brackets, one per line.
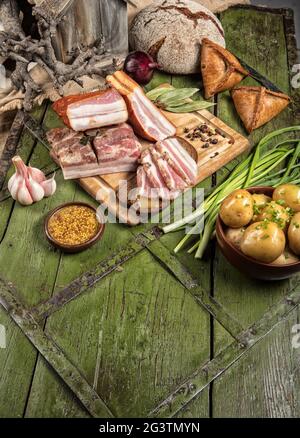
[29, 184]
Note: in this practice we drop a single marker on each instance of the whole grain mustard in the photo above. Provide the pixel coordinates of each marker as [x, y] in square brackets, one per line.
[73, 225]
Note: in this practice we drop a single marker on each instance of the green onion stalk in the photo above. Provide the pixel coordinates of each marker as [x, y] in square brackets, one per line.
[253, 171]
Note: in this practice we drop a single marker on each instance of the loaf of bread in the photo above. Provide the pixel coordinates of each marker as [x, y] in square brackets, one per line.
[171, 31]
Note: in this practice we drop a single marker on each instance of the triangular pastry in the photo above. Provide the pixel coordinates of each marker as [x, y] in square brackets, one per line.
[258, 105]
[220, 69]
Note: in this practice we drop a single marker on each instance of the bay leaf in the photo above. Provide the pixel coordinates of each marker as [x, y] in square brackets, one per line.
[175, 96]
[157, 92]
[190, 107]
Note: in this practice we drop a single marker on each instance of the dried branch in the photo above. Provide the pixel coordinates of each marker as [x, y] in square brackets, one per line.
[25, 49]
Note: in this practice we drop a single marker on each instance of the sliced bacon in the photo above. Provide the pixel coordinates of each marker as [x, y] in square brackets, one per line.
[179, 159]
[143, 183]
[147, 120]
[155, 177]
[172, 180]
[92, 110]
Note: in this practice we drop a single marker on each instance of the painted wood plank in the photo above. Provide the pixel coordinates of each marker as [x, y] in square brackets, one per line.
[11, 144]
[60, 402]
[202, 296]
[269, 379]
[17, 362]
[198, 409]
[88, 279]
[134, 337]
[51, 352]
[186, 395]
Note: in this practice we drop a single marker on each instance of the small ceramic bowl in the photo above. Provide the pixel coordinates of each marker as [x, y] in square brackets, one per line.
[247, 265]
[77, 247]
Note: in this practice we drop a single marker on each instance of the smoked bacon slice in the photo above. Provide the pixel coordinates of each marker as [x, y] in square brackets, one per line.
[179, 159]
[146, 119]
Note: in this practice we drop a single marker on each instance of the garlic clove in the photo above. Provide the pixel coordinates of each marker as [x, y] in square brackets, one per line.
[23, 196]
[11, 182]
[49, 186]
[36, 174]
[35, 189]
[16, 183]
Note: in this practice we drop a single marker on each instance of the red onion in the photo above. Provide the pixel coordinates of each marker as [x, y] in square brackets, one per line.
[140, 66]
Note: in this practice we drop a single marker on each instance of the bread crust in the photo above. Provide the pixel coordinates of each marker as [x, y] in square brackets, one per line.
[220, 69]
[172, 31]
[258, 105]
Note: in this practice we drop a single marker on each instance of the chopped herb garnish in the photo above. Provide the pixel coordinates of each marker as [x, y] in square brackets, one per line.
[265, 224]
[256, 209]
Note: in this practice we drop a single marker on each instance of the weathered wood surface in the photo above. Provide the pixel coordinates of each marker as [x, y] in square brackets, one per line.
[85, 22]
[156, 334]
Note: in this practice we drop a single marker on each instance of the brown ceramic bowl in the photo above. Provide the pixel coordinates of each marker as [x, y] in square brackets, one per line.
[78, 247]
[247, 265]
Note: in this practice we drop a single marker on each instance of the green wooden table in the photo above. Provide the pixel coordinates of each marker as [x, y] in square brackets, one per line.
[128, 329]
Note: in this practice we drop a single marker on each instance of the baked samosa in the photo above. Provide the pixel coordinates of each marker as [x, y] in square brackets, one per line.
[220, 69]
[258, 105]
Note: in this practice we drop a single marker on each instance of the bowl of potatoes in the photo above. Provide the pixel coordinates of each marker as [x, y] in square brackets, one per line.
[258, 231]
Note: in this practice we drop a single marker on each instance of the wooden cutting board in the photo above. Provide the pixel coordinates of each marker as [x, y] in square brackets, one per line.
[209, 157]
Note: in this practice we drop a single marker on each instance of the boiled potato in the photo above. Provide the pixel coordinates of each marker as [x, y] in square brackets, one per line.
[234, 235]
[259, 202]
[276, 213]
[263, 241]
[286, 257]
[294, 234]
[289, 194]
[237, 209]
